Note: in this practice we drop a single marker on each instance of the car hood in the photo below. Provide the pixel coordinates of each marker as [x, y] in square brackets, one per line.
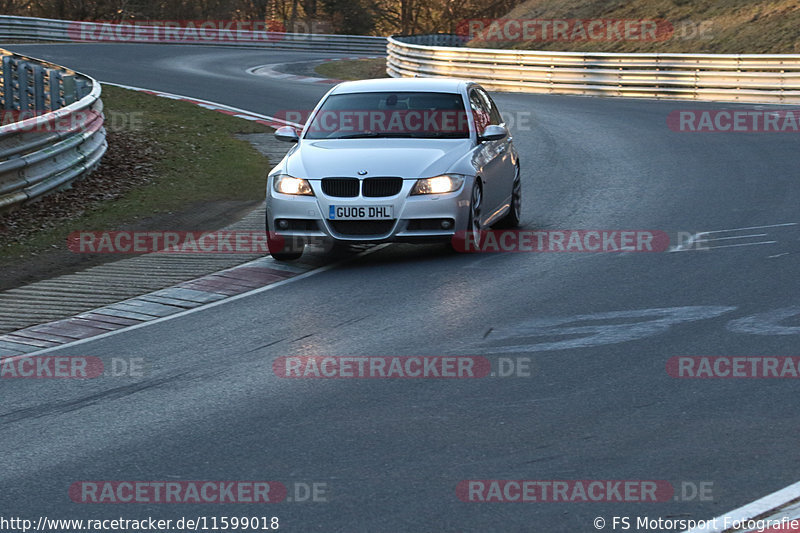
[407, 158]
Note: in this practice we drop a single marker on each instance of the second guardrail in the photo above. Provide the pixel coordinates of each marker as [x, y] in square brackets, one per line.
[52, 129]
[53, 30]
[771, 78]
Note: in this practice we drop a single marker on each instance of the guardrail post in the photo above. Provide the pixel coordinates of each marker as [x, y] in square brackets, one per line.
[13, 85]
[657, 73]
[69, 89]
[53, 90]
[37, 87]
[20, 85]
[7, 95]
[82, 88]
[24, 94]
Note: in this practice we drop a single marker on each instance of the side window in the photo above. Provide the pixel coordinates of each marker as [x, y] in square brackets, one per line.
[480, 110]
[494, 114]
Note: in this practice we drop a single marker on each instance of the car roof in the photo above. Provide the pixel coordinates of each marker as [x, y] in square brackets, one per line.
[440, 85]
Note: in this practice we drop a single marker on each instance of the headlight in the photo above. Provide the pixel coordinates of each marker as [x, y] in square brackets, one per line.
[438, 184]
[290, 185]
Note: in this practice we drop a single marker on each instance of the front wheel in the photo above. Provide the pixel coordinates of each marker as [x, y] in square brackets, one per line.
[459, 241]
[276, 246]
[279, 248]
[514, 216]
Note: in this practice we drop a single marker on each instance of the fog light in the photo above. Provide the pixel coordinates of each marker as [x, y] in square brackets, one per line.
[446, 224]
[283, 223]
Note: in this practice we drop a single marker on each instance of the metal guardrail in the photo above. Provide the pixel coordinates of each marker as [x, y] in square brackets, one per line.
[51, 30]
[771, 78]
[52, 129]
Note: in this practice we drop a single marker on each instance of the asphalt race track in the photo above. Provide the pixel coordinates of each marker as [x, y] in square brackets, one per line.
[599, 403]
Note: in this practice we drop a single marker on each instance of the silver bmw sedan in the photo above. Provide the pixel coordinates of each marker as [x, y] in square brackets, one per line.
[386, 160]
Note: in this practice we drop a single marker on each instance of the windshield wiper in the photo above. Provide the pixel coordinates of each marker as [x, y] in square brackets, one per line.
[401, 135]
[443, 135]
[363, 135]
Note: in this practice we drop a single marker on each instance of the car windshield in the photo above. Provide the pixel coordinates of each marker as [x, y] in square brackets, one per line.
[390, 114]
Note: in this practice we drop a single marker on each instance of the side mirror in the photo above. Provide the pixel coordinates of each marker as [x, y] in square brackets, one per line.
[287, 134]
[492, 133]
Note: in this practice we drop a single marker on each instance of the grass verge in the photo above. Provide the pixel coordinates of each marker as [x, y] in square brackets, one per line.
[353, 69]
[165, 159]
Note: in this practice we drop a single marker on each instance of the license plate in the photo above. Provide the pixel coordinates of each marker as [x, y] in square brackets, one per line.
[360, 212]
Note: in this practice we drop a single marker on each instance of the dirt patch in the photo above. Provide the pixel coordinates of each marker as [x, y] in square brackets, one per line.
[128, 163]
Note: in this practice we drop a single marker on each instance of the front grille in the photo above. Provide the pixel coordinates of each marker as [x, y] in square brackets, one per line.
[362, 227]
[376, 187]
[340, 187]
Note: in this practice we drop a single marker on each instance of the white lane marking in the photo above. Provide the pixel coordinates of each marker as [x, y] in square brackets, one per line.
[215, 105]
[206, 306]
[753, 227]
[688, 245]
[767, 323]
[271, 69]
[766, 504]
[742, 244]
[777, 255]
[644, 323]
[271, 66]
[699, 241]
[735, 237]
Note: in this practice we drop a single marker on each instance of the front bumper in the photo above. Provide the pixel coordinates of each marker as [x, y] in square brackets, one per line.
[416, 218]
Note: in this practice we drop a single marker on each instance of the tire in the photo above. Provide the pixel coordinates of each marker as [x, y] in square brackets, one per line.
[514, 216]
[280, 255]
[276, 247]
[458, 242]
[475, 206]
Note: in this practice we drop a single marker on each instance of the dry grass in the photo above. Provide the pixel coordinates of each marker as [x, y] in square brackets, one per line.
[734, 26]
[353, 69]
